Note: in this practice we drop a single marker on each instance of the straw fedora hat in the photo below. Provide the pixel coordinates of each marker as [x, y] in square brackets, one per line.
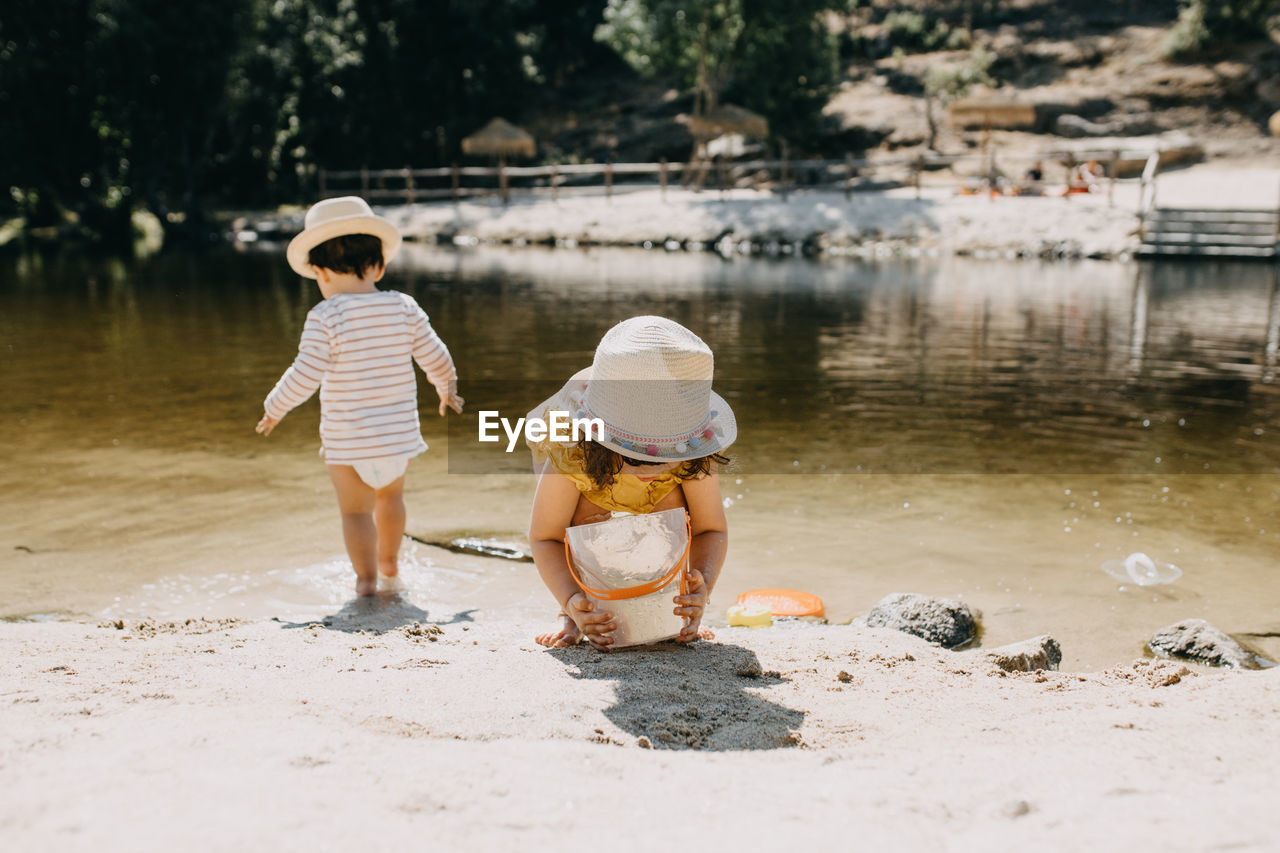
[650, 383]
[337, 217]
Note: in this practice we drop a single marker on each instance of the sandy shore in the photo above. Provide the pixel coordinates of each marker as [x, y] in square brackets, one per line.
[937, 220]
[374, 730]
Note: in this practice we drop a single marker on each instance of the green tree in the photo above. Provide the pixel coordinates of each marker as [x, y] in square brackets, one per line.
[1206, 24]
[692, 41]
[52, 154]
[944, 84]
[774, 56]
[787, 67]
[162, 73]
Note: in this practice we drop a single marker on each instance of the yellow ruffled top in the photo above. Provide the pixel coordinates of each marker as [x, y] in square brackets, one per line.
[627, 494]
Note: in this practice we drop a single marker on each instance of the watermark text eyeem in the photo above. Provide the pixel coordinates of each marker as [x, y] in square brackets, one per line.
[557, 427]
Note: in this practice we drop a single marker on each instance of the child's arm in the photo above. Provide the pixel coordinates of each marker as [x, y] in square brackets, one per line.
[710, 531]
[302, 378]
[553, 506]
[433, 357]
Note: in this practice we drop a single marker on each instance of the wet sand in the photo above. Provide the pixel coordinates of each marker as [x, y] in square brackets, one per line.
[367, 728]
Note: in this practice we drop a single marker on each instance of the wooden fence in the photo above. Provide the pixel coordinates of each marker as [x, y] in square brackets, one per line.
[850, 174]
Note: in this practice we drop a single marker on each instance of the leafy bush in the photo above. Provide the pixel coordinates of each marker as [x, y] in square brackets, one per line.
[946, 83]
[1206, 24]
[910, 30]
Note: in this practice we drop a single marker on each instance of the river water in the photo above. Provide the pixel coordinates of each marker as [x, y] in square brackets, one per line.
[988, 430]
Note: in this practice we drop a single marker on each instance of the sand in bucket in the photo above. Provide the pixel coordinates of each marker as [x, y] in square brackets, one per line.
[626, 552]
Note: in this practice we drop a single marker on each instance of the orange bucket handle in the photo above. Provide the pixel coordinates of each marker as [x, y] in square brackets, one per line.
[680, 568]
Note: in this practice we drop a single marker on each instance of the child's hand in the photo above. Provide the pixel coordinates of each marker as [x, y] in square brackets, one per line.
[596, 627]
[450, 400]
[691, 605]
[266, 425]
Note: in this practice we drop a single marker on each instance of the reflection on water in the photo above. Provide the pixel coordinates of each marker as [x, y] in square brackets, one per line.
[130, 391]
[945, 367]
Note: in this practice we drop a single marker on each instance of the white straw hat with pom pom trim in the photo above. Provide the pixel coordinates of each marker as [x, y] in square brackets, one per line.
[650, 384]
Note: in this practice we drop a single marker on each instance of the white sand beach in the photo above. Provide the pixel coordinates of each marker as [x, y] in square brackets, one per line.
[373, 731]
[937, 219]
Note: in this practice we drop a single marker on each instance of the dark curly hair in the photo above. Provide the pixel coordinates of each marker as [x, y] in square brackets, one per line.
[602, 465]
[350, 253]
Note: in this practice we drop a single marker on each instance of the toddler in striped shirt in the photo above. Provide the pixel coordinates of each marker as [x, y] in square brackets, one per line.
[358, 347]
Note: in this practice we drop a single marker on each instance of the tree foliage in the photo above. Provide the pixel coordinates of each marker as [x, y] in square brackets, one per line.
[181, 106]
[773, 56]
[1206, 24]
[944, 84]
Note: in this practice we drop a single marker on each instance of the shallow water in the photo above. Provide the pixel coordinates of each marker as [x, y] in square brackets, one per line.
[988, 430]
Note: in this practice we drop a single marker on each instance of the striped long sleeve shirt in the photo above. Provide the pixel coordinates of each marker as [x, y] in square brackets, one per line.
[359, 350]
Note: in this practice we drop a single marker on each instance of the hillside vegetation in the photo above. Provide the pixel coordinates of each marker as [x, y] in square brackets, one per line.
[181, 109]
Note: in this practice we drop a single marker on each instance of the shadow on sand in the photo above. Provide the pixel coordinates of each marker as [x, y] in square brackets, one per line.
[377, 614]
[696, 696]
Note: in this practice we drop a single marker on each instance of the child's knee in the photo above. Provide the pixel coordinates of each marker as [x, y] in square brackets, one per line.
[357, 516]
[389, 499]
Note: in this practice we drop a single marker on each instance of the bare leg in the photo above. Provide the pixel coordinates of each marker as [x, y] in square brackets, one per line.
[388, 515]
[356, 503]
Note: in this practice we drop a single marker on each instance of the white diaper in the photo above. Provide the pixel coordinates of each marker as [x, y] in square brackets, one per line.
[378, 473]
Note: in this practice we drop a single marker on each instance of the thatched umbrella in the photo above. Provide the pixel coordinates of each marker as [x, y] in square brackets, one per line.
[722, 120]
[728, 118]
[499, 138]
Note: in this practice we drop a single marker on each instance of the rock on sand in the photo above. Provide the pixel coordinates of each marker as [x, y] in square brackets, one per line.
[944, 621]
[1197, 640]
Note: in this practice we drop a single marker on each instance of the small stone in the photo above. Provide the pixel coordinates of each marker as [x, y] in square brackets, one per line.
[844, 676]
[1197, 640]
[1041, 652]
[1017, 808]
[944, 621]
[644, 743]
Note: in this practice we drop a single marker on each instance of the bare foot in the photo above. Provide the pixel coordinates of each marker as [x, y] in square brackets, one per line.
[388, 568]
[565, 634]
[366, 586]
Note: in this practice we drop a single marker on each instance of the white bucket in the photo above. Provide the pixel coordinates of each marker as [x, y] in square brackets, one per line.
[634, 566]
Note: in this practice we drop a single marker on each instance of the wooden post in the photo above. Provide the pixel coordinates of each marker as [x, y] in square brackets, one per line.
[455, 181]
[322, 182]
[1277, 235]
[662, 177]
[555, 183]
[848, 177]
[782, 178]
[408, 185]
[502, 179]
[364, 182]
[1111, 187]
[991, 174]
[608, 180]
